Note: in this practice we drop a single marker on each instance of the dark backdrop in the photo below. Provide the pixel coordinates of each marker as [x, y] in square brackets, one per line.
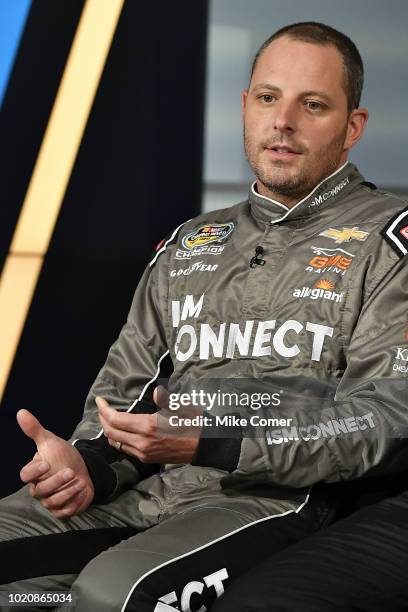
[138, 175]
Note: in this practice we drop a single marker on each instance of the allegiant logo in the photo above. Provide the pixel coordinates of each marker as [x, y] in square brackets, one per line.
[321, 290]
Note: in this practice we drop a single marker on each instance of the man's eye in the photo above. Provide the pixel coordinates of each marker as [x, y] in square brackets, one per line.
[313, 105]
[268, 98]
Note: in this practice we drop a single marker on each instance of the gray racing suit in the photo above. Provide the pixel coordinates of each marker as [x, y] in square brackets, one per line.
[327, 308]
[306, 305]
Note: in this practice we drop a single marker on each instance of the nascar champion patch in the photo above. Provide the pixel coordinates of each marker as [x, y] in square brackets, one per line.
[206, 234]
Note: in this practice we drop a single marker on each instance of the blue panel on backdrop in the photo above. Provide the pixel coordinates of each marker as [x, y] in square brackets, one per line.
[13, 15]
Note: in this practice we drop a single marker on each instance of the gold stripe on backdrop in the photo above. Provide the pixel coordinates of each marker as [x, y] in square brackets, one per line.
[52, 171]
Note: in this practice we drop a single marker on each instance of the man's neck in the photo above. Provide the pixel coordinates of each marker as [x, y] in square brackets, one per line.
[291, 200]
[286, 200]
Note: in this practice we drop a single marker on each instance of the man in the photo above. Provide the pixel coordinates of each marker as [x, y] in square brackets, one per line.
[298, 292]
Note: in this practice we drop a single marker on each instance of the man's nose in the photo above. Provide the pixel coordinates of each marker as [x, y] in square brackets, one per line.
[285, 116]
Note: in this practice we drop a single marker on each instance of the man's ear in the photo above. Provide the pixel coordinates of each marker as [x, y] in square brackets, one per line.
[356, 126]
[244, 96]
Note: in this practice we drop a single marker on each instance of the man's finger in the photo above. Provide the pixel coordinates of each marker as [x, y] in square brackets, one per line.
[71, 508]
[34, 470]
[50, 485]
[101, 403]
[63, 498]
[134, 441]
[113, 434]
[123, 421]
[161, 398]
[31, 426]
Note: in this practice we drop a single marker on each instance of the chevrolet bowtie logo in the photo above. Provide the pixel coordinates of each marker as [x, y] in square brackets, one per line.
[345, 234]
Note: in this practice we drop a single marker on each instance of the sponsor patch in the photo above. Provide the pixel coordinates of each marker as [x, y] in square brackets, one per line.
[204, 241]
[401, 360]
[402, 354]
[329, 260]
[192, 592]
[199, 266]
[323, 289]
[396, 232]
[329, 194]
[404, 232]
[207, 234]
[199, 251]
[246, 338]
[345, 234]
[321, 430]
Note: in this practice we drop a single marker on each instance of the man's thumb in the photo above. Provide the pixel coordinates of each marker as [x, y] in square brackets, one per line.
[31, 426]
[161, 397]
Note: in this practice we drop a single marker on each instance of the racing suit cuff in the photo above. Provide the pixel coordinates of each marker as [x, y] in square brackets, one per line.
[102, 475]
[219, 446]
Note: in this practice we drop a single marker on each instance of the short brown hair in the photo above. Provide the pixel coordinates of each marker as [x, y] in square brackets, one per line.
[321, 34]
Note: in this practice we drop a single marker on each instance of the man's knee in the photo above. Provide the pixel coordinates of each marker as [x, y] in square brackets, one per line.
[22, 516]
[105, 582]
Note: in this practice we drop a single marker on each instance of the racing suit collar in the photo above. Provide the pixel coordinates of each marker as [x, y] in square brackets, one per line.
[326, 193]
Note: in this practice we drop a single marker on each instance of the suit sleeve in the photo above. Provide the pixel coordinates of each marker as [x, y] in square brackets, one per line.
[126, 381]
[361, 429]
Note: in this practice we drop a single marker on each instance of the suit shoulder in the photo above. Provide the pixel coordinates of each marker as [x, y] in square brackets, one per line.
[389, 212]
[221, 221]
[219, 215]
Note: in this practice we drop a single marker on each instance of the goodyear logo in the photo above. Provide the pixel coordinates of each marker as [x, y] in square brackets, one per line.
[206, 234]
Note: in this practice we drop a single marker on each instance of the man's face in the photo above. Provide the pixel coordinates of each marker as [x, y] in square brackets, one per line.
[296, 122]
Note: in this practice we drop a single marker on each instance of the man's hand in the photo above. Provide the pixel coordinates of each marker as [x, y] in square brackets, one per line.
[57, 474]
[149, 436]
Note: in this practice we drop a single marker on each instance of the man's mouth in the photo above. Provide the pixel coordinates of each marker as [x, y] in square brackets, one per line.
[282, 152]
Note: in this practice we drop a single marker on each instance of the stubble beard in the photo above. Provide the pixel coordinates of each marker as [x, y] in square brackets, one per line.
[274, 177]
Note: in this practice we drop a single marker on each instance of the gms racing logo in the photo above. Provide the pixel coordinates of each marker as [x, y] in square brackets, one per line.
[329, 260]
[201, 240]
